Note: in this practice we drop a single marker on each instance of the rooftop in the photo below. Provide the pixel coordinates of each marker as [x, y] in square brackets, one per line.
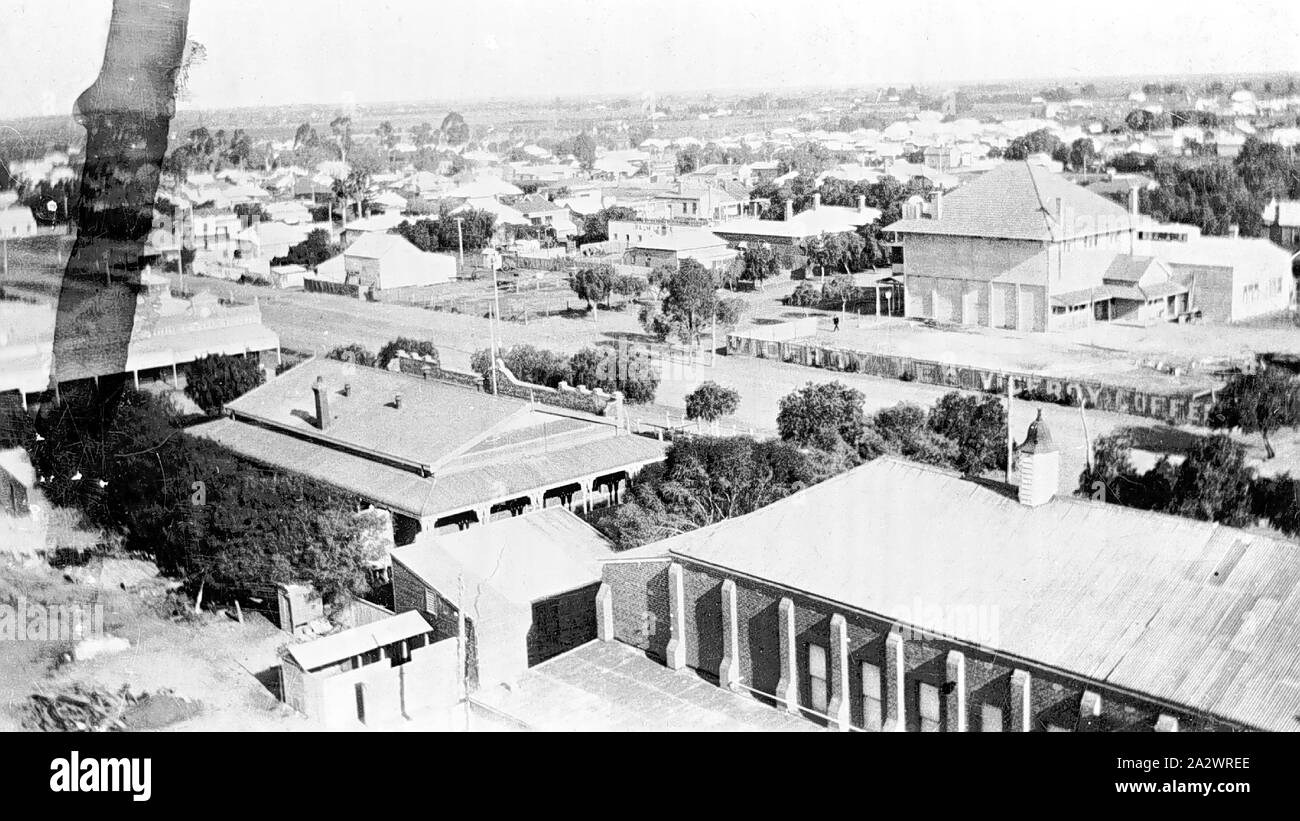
[1101, 591]
[517, 561]
[472, 447]
[611, 687]
[329, 650]
[1018, 200]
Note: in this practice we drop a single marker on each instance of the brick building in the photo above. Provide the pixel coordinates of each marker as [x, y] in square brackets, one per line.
[527, 586]
[1019, 609]
[1022, 248]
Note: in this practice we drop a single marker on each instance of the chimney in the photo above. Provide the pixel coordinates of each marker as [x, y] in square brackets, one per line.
[1040, 465]
[1277, 212]
[347, 389]
[322, 403]
[1234, 231]
[862, 204]
[1133, 201]
[817, 200]
[938, 205]
[397, 401]
[789, 210]
[1060, 209]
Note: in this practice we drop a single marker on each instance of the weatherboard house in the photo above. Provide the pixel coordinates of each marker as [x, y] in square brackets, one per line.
[433, 446]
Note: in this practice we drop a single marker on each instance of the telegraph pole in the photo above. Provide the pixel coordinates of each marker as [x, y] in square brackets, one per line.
[460, 241]
[1011, 442]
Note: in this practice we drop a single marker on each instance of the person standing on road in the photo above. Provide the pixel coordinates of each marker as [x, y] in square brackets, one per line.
[835, 321]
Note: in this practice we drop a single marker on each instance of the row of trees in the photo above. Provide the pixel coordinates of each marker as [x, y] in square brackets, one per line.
[610, 369]
[823, 431]
[475, 230]
[1211, 483]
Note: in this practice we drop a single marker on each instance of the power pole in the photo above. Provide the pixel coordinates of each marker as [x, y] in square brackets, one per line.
[462, 650]
[460, 241]
[496, 315]
[1011, 446]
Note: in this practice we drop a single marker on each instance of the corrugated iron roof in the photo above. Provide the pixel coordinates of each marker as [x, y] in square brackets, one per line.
[1117, 595]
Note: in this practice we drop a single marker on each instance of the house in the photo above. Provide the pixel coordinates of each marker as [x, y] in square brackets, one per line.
[266, 241]
[796, 229]
[289, 211]
[216, 230]
[1231, 278]
[167, 333]
[376, 675]
[377, 262]
[1283, 222]
[1020, 609]
[432, 447]
[17, 481]
[380, 223]
[671, 244]
[543, 213]
[17, 223]
[702, 202]
[527, 587]
[1022, 248]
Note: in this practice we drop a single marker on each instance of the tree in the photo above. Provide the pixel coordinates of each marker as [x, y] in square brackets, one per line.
[305, 137]
[610, 369]
[710, 402]
[903, 430]
[1042, 141]
[820, 416]
[1140, 120]
[527, 363]
[584, 149]
[312, 251]
[418, 347]
[595, 227]
[690, 300]
[454, 129]
[1259, 402]
[217, 379]
[422, 135]
[354, 353]
[341, 128]
[1082, 153]
[978, 426]
[593, 284]
[705, 480]
[759, 264]
[1213, 483]
[387, 137]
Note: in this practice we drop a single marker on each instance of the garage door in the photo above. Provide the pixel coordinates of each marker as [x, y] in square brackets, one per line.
[947, 300]
[1032, 304]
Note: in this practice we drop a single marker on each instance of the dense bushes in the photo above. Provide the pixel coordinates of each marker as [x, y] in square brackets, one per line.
[208, 517]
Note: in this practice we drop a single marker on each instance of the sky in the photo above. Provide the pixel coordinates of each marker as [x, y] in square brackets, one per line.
[276, 52]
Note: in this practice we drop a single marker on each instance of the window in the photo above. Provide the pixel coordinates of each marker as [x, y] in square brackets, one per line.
[928, 700]
[990, 719]
[817, 677]
[872, 713]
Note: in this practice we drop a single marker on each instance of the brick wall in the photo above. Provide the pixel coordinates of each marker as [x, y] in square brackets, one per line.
[640, 591]
[641, 619]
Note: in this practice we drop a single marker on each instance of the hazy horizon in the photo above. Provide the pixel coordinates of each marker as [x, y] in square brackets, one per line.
[338, 53]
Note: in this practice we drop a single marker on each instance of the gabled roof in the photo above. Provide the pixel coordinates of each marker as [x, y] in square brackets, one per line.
[1185, 611]
[1018, 200]
[519, 561]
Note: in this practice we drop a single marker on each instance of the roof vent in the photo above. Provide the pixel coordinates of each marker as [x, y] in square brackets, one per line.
[1040, 465]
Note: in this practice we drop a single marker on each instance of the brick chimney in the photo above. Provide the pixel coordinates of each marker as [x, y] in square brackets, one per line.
[397, 401]
[938, 205]
[1040, 465]
[1133, 201]
[1234, 231]
[862, 204]
[322, 403]
[789, 210]
[817, 200]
